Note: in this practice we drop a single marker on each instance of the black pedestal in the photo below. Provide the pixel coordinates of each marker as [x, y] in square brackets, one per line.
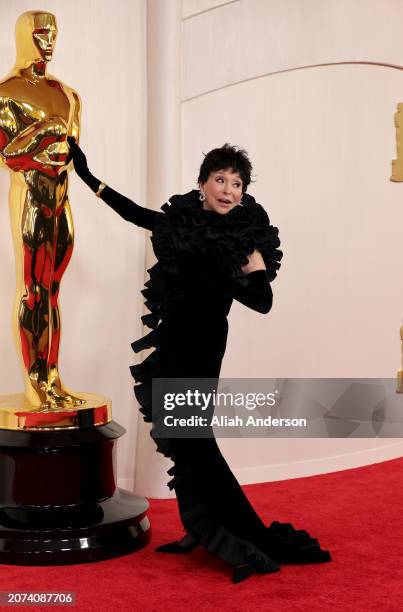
[58, 498]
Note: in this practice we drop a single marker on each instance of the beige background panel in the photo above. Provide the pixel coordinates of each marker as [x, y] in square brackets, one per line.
[249, 38]
[163, 179]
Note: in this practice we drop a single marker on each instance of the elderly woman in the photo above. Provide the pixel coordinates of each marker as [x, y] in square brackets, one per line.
[213, 245]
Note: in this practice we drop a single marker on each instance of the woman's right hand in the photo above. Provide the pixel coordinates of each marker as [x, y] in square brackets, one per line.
[78, 157]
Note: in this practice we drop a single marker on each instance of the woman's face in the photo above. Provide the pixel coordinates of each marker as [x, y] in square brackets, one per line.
[223, 191]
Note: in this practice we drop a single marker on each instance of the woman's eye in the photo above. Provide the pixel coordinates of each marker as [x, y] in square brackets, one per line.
[219, 179]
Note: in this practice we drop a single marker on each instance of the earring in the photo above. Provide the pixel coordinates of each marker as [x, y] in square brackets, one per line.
[202, 196]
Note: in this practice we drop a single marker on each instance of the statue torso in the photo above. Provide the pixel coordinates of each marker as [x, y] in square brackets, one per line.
[36, 115]
[47, 97]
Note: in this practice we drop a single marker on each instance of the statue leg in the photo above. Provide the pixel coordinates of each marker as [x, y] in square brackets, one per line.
[43, 236]
[63, 248]
[33, 298]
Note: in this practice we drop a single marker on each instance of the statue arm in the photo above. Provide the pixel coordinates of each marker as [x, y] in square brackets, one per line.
[75, 125]
[8, 126]
[29, 140]
[19, 144]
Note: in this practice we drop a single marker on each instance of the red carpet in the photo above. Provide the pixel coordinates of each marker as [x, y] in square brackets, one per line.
[357, 514]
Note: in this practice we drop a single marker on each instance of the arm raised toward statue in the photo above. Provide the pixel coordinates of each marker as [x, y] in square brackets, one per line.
[126, 208]
[8, 126]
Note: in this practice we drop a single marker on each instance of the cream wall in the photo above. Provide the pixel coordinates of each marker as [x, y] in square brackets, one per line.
[321, 139]
[243, 39]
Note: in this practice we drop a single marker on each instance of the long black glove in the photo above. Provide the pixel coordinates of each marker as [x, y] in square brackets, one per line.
[81, 166]
[127, 209]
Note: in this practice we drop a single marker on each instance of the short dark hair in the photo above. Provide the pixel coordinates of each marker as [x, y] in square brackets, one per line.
[226, 157]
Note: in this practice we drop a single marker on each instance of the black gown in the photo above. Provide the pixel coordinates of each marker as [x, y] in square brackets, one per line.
[189, 295]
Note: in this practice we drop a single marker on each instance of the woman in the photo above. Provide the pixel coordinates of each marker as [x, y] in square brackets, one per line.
[212, 245]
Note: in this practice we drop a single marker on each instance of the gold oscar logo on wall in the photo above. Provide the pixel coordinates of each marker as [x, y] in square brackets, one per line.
[399, 388]
[397, 176]
[397, 164]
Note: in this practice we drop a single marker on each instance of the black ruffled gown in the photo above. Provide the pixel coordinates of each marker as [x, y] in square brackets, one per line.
[189, 295]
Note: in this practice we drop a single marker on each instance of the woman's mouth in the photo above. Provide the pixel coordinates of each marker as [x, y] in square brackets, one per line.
[224, 202]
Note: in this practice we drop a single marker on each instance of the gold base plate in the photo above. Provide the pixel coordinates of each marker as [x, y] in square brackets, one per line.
[17, 414]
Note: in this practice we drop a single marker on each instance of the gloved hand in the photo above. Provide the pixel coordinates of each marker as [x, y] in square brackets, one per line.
[78, 157]
[81, 166]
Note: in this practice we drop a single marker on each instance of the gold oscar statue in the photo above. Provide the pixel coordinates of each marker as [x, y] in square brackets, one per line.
[59, 501]
[37, 113]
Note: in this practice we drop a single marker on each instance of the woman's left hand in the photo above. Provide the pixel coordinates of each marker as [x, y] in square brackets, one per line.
[256, 262]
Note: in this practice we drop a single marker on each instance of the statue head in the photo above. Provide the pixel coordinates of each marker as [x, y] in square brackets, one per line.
[35, 34]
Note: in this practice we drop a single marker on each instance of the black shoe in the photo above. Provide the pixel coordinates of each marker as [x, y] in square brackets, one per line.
[176, 548]
[242, 572]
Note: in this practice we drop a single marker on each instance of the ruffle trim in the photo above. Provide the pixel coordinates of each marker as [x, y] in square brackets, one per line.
[207, 530]
[186, 228]
[195, 515]
[229, 239]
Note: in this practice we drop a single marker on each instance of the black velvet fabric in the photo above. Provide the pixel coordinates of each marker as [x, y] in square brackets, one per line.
[189, 295]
